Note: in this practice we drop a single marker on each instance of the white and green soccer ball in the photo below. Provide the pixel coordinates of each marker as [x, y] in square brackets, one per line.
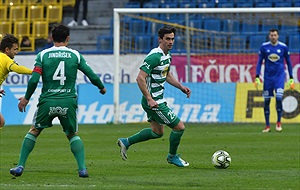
[221, 159]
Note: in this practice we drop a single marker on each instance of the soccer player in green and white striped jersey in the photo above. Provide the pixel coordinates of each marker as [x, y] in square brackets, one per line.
[154, 72]
[58, 68]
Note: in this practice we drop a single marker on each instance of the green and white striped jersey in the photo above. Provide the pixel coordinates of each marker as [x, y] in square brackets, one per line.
[156, 65]
[59, 67]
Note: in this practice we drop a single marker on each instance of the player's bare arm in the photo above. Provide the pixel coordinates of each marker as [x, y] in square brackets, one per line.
[174, 82]
[141, 80]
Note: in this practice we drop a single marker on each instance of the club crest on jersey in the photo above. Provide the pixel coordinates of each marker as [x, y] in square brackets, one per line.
[165, 71]
[273, 57]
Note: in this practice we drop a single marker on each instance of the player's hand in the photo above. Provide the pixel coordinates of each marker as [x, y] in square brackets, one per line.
[152, 103]
[2, 93]
[187, 91]
[22, 104]
[257, 82]
[103, 91]
[292, 84]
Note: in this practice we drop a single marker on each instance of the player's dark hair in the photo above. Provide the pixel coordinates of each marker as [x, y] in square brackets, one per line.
[8, 41]
[60, 33]
[273, 30]
[166, 30]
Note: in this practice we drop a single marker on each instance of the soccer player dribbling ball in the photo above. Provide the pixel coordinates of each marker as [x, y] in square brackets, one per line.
[273, 53]
[154, 72]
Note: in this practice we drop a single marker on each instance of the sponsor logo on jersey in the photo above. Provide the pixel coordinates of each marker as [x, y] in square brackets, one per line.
[273, 57]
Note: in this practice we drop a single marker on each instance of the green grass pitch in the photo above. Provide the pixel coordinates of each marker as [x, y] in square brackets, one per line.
[259, 160]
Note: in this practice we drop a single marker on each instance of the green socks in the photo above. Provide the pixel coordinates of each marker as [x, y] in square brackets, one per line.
[147, 133]
[27, 147]
[77, 149]
[143, 135]
[174, 139]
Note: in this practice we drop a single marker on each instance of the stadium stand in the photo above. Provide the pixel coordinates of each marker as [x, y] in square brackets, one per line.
[212, 24]
[100, 14]
[255, 41]
[105, 44]
[230, 25]
[294, 43]
[238, 43]
[142, 43]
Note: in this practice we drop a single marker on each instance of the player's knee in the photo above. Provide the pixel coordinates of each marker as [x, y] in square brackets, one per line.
[34, 131]
[71, 135]
[179, 127]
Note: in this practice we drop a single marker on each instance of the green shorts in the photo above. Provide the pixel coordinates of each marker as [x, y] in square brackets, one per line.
[162, 115]
[64, 109]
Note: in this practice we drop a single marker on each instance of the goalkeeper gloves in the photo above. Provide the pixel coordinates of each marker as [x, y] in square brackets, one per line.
[291, 84]
[257, 82]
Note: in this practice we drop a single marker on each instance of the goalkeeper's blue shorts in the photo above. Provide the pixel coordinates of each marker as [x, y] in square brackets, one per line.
[274, 84]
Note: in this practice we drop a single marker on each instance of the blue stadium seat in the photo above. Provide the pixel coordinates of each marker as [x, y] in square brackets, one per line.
[128, 45]
[294, 43]
[283, 4]
[219, 43]
[206, 5]
[151, 5]
[244, 4]
[132, 5]
[212, 24]
[255, 41]
[105, 44]
[199, 44]
[250, 28]
[283, 38]
[153, 27]
[154, 42]
[264, 4]
[297, 4]
[267, 24]
[231, 25]
[289, 28]
[179, 45]
[237, 43]
[187, 5]
[225, 4]
[169, 5]
[137, 27]
[197, 23]
[183, 3]
[262, 1]
[142, 43]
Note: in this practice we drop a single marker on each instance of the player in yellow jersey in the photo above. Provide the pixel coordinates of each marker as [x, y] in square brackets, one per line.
[9, 48]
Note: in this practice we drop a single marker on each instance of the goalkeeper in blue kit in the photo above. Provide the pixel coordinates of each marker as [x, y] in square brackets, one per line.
[273, 53]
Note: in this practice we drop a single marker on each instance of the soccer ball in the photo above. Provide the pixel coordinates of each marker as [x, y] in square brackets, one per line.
[221, 159]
